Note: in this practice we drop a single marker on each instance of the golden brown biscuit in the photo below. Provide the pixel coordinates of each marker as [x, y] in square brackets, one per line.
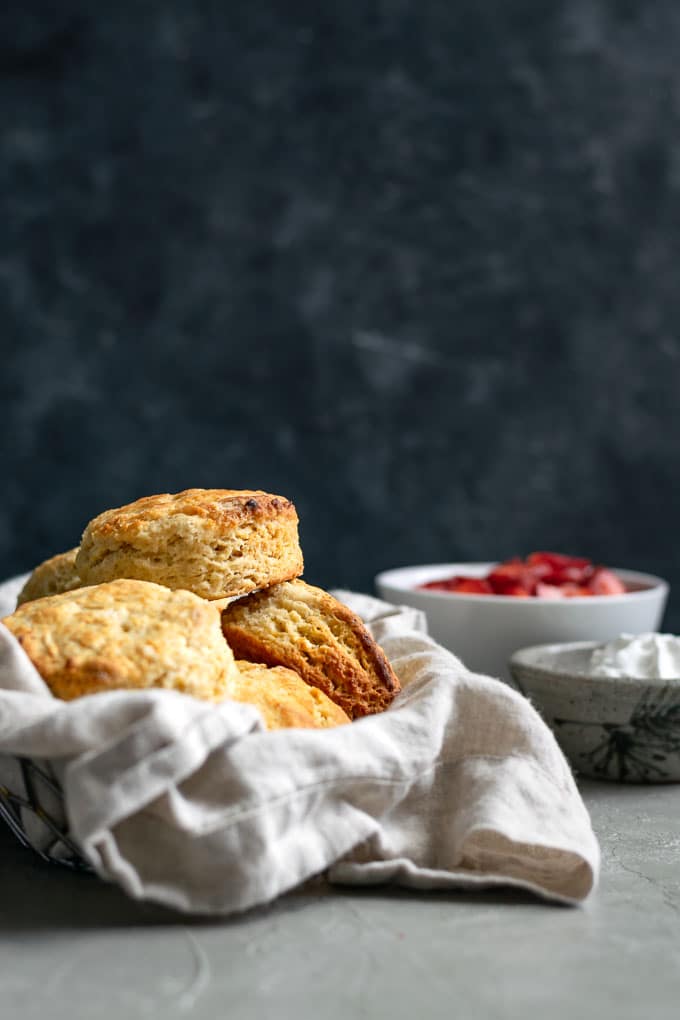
[54, 576]
[283, 698]
[125, 634]
[306, 629]
[214, 542]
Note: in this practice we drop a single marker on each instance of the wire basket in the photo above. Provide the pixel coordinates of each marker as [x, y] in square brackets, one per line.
[32, 806]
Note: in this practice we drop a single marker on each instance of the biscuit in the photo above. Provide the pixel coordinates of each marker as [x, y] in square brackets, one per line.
[214, 542]
[54, 576]
[283, 698]
[125, 634]
[306, 629]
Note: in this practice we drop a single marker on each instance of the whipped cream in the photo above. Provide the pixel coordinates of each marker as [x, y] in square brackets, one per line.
[642, 655]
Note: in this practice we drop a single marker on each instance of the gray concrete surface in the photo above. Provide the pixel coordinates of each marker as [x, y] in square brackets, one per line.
[73, 947]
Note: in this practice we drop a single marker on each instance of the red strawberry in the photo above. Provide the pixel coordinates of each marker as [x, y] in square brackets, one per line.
[549, 591]
[554, 568]
[473, 586]
[547, 575]
[557, 561]
[605, 582]
[511, 575]
[469, 585]
[575, 591]
[517, 590]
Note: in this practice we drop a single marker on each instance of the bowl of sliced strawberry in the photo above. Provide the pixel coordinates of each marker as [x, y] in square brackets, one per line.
[483, 612]
[545, 575]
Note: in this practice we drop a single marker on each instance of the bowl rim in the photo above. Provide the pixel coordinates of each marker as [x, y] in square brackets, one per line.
[397, 579]
[521, 659]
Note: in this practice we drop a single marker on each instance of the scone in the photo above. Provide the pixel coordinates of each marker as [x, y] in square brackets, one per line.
[125, 634]
[54, 576]
[214, 542]
[283, 698]
[304, 628]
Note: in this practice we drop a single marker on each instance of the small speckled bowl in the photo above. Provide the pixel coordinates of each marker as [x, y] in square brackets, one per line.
[620, 728]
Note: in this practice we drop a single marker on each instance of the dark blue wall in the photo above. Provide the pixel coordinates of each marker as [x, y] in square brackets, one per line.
[415, 266]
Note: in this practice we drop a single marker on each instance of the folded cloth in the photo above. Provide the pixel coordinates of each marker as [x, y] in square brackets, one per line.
[458, 785]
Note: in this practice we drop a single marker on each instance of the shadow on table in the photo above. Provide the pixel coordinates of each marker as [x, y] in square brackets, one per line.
[39, 896]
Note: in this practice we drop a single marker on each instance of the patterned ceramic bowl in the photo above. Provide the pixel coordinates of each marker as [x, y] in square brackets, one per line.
[620, 728]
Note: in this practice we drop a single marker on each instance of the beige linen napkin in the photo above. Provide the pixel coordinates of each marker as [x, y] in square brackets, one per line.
[459, 784]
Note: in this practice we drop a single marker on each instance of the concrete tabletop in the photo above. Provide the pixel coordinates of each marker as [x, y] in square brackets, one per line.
[71, 946]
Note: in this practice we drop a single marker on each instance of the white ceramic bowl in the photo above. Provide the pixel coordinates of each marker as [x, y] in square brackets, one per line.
[484, 630]
[621, 728]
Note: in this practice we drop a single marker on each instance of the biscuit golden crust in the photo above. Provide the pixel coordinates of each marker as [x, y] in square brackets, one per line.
[305, 629]
[54, 576]
[283, 698]
[125, 634]
[216, 543]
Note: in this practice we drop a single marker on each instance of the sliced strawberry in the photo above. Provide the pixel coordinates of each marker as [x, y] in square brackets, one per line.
[572, 591]
[462, 585]
[473, 586]
[549, 591]
[518, 591]
[556, 560]
[547, 575]
[557, 569]
[569, 575]
[540, 571]
[509, 575]
[605, 582]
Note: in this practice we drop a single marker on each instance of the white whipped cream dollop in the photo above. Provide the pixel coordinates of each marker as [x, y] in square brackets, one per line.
[641, 655]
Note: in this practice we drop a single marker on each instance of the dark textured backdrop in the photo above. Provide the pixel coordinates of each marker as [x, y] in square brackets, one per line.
[415, 265]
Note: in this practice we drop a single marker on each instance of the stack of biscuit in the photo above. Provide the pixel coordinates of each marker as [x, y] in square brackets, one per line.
[201, 592]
